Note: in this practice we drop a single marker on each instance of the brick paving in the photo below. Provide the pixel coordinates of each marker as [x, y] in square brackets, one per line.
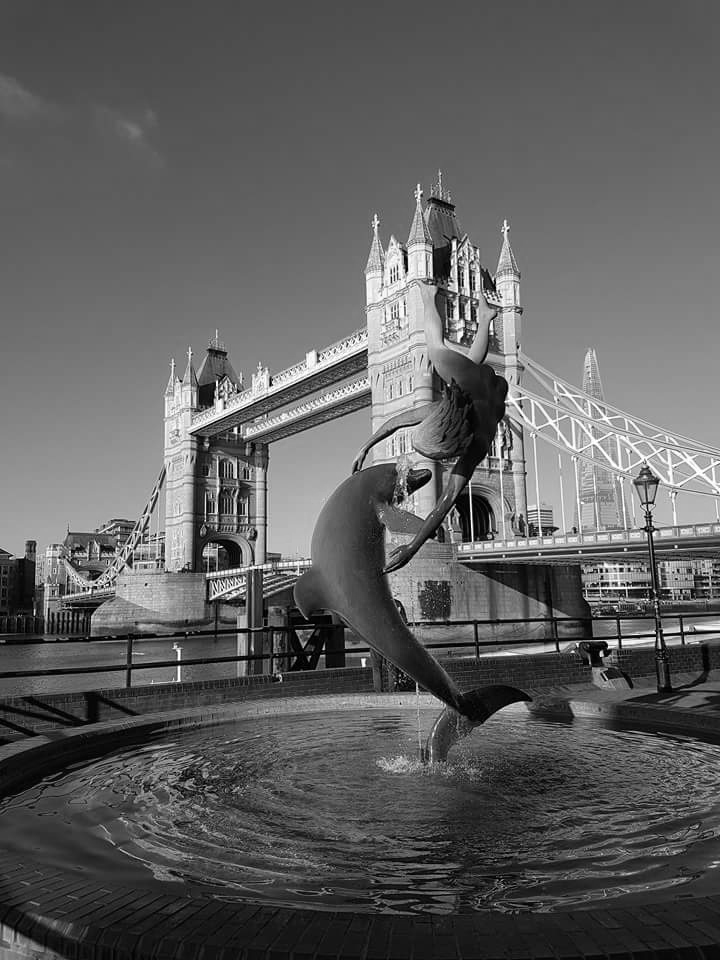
[46, 914]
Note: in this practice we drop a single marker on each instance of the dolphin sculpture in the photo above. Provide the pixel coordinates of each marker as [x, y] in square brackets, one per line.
[347, 578]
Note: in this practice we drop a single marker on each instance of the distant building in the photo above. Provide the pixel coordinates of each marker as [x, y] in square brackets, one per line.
[686, 578]
[540, 521]
[17, 581]
[88, 553]
[601, 503]
[8, 573]
[613, 580]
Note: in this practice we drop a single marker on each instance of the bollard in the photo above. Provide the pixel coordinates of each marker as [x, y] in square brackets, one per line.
[128, 662]
[178, 669]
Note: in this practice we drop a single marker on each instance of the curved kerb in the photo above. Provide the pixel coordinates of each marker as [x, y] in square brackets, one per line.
[47, 913]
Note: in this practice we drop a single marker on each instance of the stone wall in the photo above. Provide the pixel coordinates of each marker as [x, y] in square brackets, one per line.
[149, 600]
[431, 588]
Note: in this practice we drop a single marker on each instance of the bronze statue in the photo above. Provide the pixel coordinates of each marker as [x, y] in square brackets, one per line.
[462, 424]
[346, 577]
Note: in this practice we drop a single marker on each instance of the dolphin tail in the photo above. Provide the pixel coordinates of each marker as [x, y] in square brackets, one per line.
[476, 707]
[309, 592]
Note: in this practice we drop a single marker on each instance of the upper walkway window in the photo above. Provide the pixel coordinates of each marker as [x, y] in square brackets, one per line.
[226, 470]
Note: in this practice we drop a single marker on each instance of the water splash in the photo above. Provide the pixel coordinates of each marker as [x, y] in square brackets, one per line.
[462, 768]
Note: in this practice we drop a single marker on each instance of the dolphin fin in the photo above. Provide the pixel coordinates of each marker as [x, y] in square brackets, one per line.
[309, 592]
[475, 706]
[478, 705]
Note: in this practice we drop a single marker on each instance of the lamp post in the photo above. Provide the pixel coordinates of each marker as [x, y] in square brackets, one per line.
[646, 484]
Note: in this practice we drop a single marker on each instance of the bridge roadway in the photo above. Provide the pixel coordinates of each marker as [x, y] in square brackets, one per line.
[700, 540]
[329, 383]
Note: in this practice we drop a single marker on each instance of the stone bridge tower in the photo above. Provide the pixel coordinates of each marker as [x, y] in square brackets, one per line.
[215, 488]
[400, 374]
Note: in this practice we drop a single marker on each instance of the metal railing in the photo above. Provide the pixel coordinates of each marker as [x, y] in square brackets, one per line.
[281, 659]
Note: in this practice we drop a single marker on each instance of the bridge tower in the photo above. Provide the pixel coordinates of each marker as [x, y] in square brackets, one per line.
[216, 487]
[399, 369]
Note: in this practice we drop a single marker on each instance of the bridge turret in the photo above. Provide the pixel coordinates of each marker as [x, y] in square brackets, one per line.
[170, 389]
[375, 265]
[190, 386]
[419, 245]
[507, 278]
[181, 453]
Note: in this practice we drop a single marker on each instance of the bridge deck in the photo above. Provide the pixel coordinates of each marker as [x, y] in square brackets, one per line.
[702, 539]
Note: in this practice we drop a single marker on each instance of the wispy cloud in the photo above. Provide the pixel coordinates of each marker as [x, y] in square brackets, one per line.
[128, 132]
[132, 131]
[18, 104]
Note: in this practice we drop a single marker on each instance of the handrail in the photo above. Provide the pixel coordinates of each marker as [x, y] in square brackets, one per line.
[475, 644]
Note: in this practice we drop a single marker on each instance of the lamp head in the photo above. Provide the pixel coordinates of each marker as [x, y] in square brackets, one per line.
[646, 484]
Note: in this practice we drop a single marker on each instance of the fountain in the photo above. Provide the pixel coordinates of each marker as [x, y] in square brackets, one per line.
[310, 827]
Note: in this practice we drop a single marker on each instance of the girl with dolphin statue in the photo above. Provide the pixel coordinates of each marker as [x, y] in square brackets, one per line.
[349, 568]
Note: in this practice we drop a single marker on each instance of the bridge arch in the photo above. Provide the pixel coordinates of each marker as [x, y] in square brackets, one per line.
[476, 516]
[224, 551]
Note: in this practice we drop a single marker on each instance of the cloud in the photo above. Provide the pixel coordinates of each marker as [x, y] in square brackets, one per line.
[127, 132]
[18, 104]
[130, 131]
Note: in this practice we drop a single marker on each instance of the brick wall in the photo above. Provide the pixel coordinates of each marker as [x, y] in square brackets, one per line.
[40, 712]
[697, 658]
[37, 713]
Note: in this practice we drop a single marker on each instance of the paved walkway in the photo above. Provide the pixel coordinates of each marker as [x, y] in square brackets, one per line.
[51, 914]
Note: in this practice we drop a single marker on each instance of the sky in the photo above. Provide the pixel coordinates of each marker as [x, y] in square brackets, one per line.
[169, 168]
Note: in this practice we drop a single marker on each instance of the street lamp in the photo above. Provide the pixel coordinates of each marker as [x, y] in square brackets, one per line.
[646, 484]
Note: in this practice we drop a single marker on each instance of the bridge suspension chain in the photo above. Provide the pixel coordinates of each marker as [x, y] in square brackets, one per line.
[109, 576]
[595, 431]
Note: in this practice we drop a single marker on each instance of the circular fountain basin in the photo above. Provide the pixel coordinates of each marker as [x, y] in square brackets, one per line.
[317, 812]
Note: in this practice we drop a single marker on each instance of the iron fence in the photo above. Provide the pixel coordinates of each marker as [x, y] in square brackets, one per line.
[282, 650]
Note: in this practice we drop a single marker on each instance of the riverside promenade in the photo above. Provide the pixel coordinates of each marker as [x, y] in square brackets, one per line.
[48, 913]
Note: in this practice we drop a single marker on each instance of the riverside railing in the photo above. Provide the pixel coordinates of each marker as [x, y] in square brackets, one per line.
[289, 650]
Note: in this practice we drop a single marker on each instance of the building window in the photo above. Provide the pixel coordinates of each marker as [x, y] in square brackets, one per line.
[243, 507]
[394, 273]
[450, 309]
[226, 503]
[226, 470]
[395, 311]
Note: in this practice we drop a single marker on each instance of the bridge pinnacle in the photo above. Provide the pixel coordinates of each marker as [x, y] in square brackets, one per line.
[419, 233]
[190, 377]
[170, 389]
[376, 258]
[507, 264]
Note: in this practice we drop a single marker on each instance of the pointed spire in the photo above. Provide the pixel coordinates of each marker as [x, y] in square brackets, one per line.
[190, 377]
[376, 259]
[419, 232]
[215, 343]
[170, 388]
[438, 191]
[507, 264]
[592, 384]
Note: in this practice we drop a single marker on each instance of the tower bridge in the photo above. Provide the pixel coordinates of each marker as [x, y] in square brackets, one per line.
[218, 429]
